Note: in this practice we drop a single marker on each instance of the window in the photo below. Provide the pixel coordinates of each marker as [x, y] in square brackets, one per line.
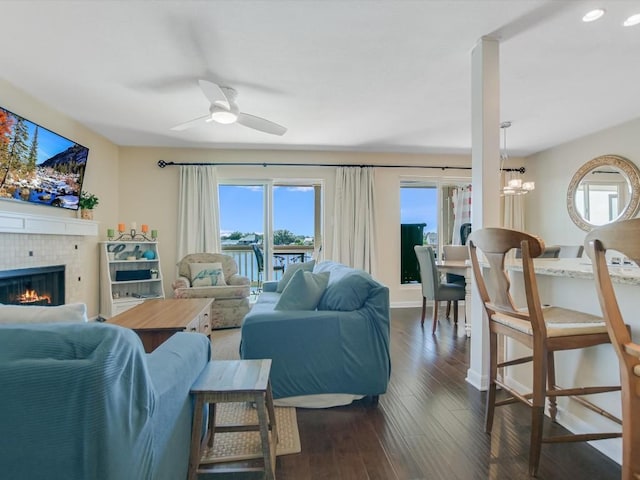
[418, 224]
[281, 218]
[426, 218]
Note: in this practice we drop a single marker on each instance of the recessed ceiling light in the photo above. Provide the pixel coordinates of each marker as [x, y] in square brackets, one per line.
[632, 20]
[593, 15]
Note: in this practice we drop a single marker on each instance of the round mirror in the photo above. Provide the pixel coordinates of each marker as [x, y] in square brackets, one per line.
[602, 191]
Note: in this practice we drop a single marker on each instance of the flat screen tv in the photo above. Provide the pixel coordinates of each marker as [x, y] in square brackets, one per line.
[38, 165]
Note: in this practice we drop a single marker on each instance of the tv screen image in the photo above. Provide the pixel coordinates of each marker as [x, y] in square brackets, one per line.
[38, 165]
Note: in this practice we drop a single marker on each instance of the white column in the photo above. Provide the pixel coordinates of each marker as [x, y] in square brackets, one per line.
[485, 163]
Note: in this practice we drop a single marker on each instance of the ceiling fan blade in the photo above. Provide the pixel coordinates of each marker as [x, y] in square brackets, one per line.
[191, 123]
[261, 124]
[214, 93]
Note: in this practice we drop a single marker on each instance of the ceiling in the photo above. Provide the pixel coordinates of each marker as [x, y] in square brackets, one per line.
[377, 75]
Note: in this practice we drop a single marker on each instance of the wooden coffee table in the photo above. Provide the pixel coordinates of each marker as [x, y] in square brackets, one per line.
[156, 320]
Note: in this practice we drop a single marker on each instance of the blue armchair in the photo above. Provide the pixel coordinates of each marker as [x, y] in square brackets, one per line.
[84, 401]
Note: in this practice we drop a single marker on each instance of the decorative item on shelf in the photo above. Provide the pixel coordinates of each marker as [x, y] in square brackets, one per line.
[514, 186]
[110, 233]
[87, 203]
[149, 254]
[133, 234]
[154, 273]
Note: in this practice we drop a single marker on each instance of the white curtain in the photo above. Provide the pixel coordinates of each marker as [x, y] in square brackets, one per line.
[513, 206]
[354, 214]
[461, 211]
[198, 220]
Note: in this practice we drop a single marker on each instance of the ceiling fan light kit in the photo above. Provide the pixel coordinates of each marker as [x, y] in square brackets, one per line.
[222, 115]
[224, 110]
[593, 15]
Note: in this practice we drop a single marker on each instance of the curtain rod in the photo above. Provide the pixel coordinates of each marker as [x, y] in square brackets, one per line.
[162, 164]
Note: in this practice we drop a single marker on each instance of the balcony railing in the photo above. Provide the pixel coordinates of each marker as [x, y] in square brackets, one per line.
[282, 255]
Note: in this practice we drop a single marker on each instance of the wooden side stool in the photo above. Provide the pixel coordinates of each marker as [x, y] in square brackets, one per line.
[234, 381]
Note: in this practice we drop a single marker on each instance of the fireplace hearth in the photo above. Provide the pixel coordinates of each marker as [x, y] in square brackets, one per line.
[33, 286]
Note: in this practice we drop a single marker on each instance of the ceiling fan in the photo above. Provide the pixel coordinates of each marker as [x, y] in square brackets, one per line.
[223, 109]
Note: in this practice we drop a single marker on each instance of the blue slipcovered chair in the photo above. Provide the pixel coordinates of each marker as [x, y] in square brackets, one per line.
[83, 401]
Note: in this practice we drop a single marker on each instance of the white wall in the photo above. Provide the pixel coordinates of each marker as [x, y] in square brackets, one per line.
[552, 170]
[100, 179]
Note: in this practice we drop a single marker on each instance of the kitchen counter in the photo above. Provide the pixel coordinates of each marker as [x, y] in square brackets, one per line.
[579, 268]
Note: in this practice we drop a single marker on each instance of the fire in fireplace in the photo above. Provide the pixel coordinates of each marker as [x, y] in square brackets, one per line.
[33, 286]
[32, 297]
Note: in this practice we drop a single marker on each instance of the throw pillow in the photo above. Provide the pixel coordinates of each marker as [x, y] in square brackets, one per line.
[72, 312]
[347, 293]
[207, 275]
[290, 270]
[303, 292]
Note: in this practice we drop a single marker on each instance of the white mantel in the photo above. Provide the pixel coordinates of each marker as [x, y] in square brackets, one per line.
[11, 222]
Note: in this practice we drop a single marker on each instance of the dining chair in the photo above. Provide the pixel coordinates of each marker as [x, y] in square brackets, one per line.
[433, 288]
[623, 238]
[455, 253]
[465, 231]
[260, 264]
[543, 330]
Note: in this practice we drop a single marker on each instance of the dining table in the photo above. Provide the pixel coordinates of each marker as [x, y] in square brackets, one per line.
[462, 268]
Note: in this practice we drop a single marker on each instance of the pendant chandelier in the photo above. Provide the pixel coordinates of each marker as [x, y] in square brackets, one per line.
[514, 186]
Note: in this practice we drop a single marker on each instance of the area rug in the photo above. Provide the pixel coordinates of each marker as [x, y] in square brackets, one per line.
[225, 344]
[236, 446]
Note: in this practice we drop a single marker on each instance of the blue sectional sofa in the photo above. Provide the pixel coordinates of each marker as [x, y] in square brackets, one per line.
[342, 347]
[83, 401]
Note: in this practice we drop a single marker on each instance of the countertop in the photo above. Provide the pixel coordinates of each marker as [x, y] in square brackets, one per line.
[579, 268]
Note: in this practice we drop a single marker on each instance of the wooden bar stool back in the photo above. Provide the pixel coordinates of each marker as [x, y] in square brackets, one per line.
[623, 238]
[543, 330]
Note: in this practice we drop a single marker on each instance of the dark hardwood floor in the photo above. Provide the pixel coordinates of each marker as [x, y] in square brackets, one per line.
[429, 424]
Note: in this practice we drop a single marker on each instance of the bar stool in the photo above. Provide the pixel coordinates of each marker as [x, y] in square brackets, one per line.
[234, 381]
[544, 331]
[621, 237]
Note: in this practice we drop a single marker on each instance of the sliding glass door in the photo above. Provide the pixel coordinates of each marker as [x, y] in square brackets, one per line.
[294, 222]
[280, 219]
[242, 225]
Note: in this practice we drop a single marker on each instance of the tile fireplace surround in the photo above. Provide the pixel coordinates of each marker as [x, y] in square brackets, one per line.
[35, 241]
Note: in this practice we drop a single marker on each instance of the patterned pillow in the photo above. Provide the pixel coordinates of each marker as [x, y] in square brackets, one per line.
[207, 274]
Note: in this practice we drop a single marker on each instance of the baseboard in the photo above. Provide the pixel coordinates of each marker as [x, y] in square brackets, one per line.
[480, 382]
[411, 304]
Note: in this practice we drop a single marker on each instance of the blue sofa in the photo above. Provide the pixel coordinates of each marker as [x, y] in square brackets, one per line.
[342, 347]
[83, 401]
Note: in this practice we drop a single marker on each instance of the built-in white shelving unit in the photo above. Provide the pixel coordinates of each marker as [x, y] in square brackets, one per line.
[129, 275]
